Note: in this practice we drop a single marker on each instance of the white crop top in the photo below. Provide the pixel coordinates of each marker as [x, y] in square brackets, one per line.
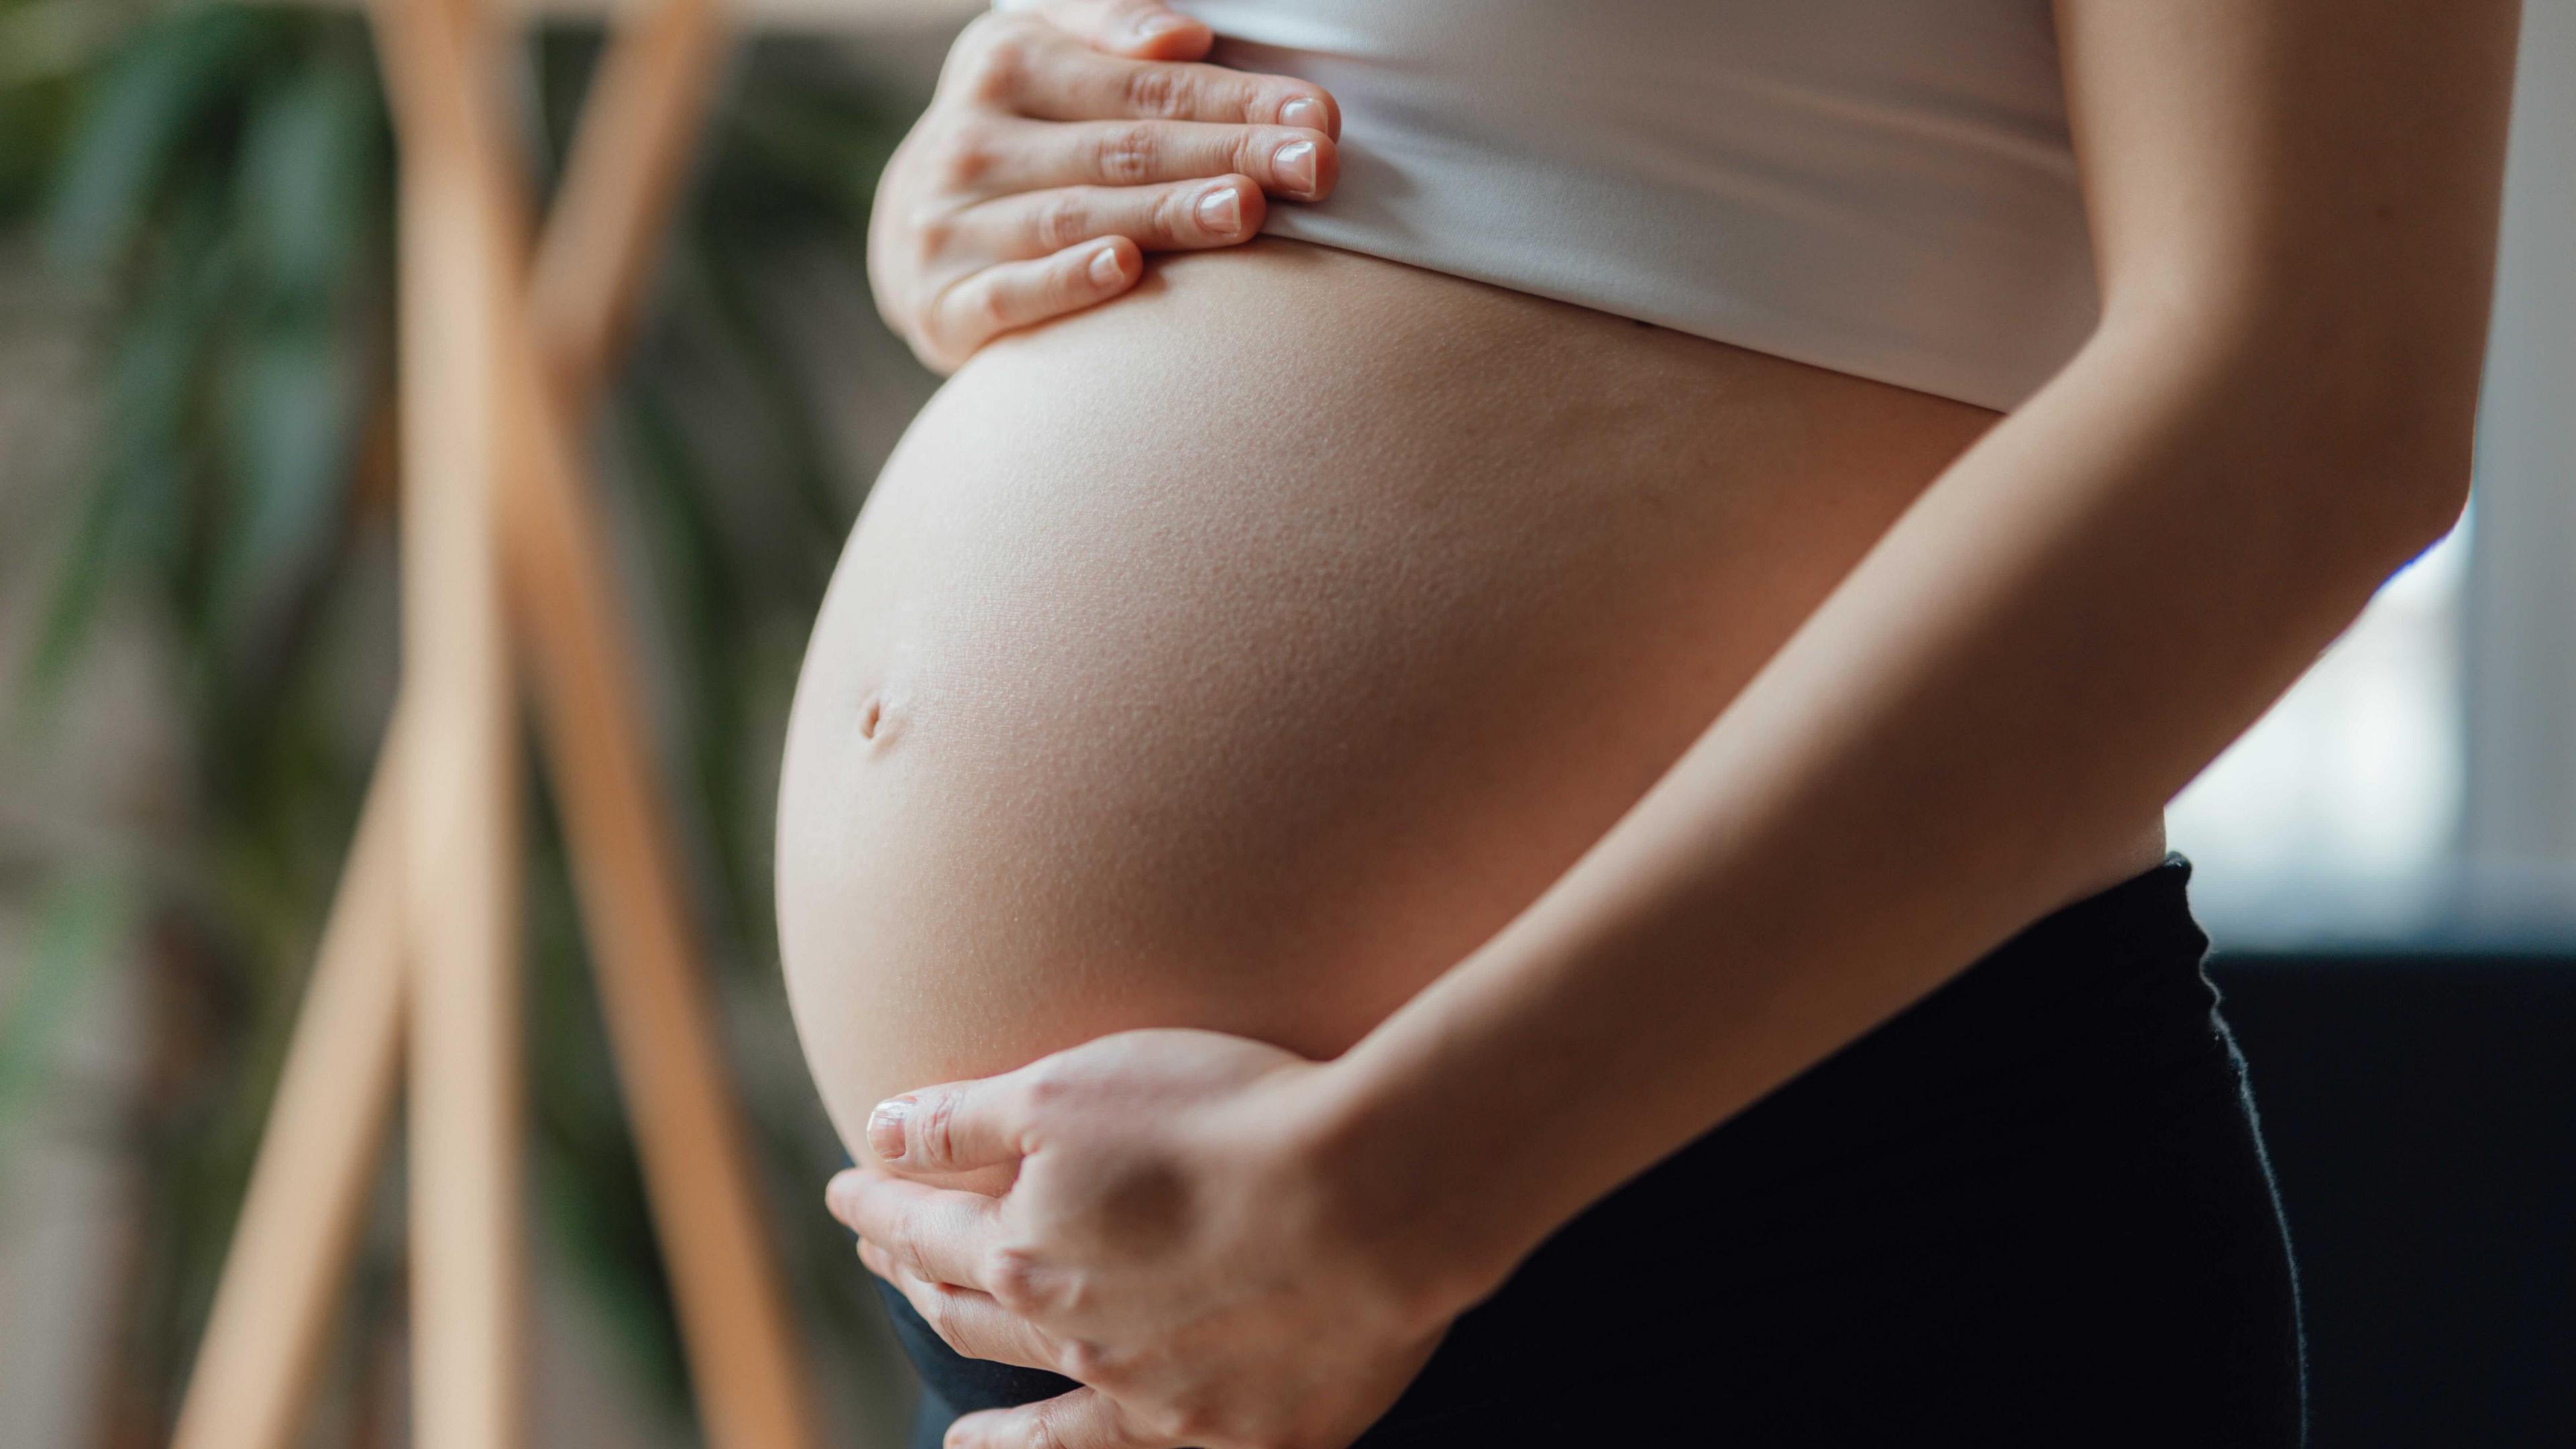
[1879, 187]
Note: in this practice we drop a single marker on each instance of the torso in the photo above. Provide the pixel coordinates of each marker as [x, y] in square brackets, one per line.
[1242, 653]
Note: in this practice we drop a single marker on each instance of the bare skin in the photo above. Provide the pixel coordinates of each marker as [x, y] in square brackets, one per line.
[1263, 723]
[2006, 645]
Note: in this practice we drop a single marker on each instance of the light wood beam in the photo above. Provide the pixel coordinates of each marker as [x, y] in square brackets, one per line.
[629, 158]
[301, 1219]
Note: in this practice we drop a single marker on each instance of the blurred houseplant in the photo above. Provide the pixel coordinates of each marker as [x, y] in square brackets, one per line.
[211, 184]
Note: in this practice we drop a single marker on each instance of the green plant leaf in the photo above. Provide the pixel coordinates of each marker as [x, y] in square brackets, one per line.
[309, 180]
[134, 473]
[134, 127]
[137, 515]
[290, 415]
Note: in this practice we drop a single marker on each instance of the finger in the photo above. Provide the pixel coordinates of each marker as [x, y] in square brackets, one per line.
[1083, 1419]
[1039, 156]
[955, 1126]
[1146, 28]
[1177, 216]
[936, 1233]
[975, 309]
[965, 1319]
[1065, 81]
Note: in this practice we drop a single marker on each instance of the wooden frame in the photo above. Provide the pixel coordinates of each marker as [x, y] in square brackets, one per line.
[502, 546]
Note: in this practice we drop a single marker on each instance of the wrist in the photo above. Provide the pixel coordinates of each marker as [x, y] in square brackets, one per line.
[1422, 1215]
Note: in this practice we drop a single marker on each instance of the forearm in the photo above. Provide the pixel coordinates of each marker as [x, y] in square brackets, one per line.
[2075, 618]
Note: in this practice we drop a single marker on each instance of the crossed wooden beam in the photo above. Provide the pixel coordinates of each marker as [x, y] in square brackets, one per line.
[504, 557]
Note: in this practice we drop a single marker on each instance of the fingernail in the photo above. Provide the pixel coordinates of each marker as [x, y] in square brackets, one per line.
[1294, 164]
[1157, 25]
[1105, 272]
[885, 1124]
[1305, 111]
[1221, 210]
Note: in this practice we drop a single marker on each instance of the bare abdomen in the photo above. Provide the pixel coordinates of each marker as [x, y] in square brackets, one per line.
[1242, 653]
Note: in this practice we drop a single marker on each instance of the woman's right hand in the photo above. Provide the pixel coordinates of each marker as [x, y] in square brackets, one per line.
[1066, 138]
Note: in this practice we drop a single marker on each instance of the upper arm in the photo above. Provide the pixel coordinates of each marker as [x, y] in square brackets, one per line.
[2327, 172]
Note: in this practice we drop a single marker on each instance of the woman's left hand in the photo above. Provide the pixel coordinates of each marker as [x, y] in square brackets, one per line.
[1182, 1237]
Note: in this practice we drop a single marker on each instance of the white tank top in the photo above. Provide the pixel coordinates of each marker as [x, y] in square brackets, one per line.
[1879, 187]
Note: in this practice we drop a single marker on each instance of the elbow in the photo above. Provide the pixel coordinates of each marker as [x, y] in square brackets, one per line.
[2372, 408]
[2381, 421]
[2439, 493]
[2406, 458]
[2393, 402]
[2407, 397]
[2375, 498]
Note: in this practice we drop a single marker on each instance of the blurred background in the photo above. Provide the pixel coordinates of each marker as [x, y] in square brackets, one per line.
[197, 654]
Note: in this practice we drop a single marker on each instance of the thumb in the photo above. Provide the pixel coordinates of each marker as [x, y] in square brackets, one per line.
[948, 1129]
[1137, 29]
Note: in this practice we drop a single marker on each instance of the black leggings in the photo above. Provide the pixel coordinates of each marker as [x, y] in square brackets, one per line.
[2033, 1209]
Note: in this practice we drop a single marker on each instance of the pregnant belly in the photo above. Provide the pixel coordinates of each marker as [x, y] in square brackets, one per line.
[1243, 653]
